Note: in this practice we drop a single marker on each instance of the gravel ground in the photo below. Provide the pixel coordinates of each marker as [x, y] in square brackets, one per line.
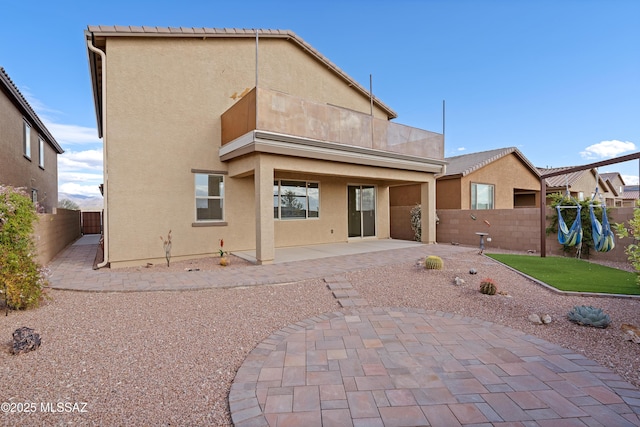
[169, 358]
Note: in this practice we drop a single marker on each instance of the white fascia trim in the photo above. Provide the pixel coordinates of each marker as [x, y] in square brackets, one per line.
[275, 143]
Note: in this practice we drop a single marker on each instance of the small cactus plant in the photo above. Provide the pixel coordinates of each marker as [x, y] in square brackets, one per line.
[589, 316]
[433, 262]
[488, 287]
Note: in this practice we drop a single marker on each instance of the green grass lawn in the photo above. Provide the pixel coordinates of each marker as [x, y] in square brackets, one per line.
[571, 274]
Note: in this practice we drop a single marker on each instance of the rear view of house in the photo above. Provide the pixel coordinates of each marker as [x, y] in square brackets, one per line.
[249, 136]
[29, 152]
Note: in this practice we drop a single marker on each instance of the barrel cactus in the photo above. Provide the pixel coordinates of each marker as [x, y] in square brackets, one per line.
[433, 262]
[589, 316]
[488, 287]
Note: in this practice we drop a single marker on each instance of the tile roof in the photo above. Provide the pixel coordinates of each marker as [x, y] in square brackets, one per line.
[145, 31]
[14, 93]
[561, 180]
[467, 163]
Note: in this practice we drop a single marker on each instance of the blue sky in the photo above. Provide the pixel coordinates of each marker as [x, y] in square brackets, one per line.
[558, 79]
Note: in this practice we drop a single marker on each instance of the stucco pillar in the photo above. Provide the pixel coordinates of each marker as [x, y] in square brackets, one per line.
[428, 216]
[263, 182]
[383, 213]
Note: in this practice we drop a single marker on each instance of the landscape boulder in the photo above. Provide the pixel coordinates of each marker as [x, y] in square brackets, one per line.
[25, 340]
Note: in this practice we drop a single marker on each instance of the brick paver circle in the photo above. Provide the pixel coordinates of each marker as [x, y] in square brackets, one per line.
[411, 367]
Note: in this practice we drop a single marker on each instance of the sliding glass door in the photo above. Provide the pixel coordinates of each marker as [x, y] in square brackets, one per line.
[362, 210]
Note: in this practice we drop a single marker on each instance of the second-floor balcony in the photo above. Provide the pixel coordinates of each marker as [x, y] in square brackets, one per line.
[279, 113]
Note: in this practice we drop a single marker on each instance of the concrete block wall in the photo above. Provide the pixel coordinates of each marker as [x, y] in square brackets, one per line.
[516, 230]
[54, 232]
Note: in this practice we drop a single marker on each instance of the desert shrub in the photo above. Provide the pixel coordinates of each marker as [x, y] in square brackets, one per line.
[433, 262]
[21, 278]
[416, 213]
[589, 316]
[488, 287]
[633, 249]
[416, 225]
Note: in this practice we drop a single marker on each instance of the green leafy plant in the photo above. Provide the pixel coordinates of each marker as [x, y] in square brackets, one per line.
[589, 316]
[632, 250]
[569, 215]
[22, 279]
[488, 287]
[433, 262]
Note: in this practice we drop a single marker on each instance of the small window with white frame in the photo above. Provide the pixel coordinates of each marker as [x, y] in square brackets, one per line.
[296, 199]
[26, 140]
[482, 196]
[209, 197]
[41, 153]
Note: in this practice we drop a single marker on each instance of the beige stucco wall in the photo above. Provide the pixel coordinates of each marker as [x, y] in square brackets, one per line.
[16, 169]
[164, 102]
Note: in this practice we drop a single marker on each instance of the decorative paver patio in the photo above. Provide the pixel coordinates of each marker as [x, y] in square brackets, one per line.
[367, 366]
[410, 367]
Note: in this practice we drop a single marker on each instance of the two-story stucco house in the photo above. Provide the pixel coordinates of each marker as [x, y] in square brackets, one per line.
[251, 136]
[29, 152]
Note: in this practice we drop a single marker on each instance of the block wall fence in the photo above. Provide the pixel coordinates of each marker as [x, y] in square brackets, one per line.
[516, 230]
[54, 232]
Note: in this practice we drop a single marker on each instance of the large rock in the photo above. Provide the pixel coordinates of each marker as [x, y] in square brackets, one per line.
[25, 340]
[535, 318]
[632, 333]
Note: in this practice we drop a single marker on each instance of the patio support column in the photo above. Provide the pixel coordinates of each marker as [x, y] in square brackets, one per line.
[427, 219]
[263, 183]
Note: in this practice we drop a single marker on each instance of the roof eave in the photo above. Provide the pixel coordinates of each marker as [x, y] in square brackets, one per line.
[23, 105]
[123, 31]
[96, 84]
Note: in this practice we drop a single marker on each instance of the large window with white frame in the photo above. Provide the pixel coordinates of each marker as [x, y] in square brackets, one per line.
[209, 197]
[296, 199]
[482, 196]
[41, 153]
[26, 140]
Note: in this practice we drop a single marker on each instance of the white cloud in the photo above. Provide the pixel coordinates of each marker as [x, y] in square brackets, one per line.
[72, 134]
[607, 149]
[461, 149]
[630, 179]
[79, 160]
[78, 189]
[79, 177]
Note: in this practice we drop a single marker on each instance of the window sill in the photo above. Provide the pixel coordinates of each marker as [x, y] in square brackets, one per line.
[209, 224]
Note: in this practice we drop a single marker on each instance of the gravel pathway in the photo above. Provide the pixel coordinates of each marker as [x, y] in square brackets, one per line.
[168, 358]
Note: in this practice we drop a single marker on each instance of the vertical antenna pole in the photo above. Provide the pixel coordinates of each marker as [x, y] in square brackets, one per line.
[256, 58]
[371, 107]
[443, 119]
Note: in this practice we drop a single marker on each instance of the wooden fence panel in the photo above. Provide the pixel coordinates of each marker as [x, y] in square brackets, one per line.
[91, 222]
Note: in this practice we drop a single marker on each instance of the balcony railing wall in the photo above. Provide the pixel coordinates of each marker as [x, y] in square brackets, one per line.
[272, 111]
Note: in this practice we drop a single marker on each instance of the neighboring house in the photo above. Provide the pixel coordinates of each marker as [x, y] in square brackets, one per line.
[581, 184]
[631, 194]
[494, 179]
[615, 195]
[29, 152]
[251, 136]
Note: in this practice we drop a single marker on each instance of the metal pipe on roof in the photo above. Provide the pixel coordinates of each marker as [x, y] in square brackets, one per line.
[105, 220]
